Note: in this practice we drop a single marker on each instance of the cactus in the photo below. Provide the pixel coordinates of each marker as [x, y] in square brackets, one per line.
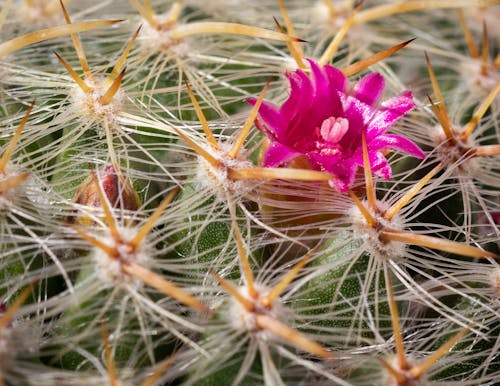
[193, 193]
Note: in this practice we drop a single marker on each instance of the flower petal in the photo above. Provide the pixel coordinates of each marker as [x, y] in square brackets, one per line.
[391, 141]
[344, 182]
[389, 112]
[323, 121]
[343, 169]
[321, 85]
[299, 99]
[302, 118]
[342, 185]
[271, 116]
[326, 95]
[378, 163]
[278, 154]
[380, 166]
[352, 139]
[370, 88]
[337, 78]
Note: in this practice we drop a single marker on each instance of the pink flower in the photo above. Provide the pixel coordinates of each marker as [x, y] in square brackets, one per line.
[323, 119]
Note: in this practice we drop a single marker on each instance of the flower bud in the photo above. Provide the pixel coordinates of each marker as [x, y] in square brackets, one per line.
[115, 187]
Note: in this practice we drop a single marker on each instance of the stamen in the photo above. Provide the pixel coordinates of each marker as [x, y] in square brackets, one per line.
[292, 336]
[110, 251]
[81, 83]
[108, 214]
[201, 117]
[485, 51]
[233, 291]
[113, 89]
[235, 149]
[335, 43]
[435, 243]
[333, 129]
[278, 289]
[197, 148]
[370, 189]
[148, 225]
[396, 207]
[123, 57]
[15, 139]
[11, 310]
[162, 285]
[418, 370]
[203, 28]
[78, 45]
[278, 173]
[13, 181]
[294, 47]
[474, 52]
[363, 210]
[371, 60]
[161, 368]
[146, 15]
[50, 33]
[480, 112]
[245, 265]
[108, 355]
[396, 324]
